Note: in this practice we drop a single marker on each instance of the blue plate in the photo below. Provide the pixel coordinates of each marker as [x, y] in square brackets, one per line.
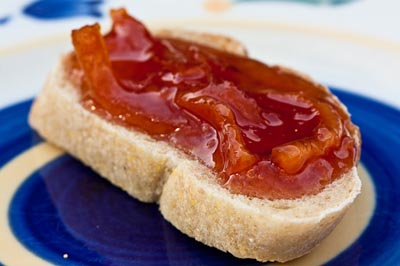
[67, 215]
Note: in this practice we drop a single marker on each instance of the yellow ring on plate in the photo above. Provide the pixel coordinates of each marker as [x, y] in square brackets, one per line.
[14, 173]
[352, 37]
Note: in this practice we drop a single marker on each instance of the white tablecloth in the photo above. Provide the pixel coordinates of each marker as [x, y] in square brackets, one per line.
[375, 23]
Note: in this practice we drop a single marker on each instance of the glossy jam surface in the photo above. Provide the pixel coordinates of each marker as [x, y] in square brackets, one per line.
[265, 131]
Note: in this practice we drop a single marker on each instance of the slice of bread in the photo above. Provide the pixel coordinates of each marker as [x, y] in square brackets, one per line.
[187, 191]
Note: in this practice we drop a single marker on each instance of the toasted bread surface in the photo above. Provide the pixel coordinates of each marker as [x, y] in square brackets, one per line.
[187, 191]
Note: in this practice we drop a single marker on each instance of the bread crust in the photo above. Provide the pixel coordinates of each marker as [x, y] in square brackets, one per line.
[188, 193]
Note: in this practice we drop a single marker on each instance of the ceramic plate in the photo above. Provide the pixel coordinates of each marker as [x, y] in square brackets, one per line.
[54, 210]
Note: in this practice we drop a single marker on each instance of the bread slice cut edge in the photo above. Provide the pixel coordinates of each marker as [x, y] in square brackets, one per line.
[188, 193]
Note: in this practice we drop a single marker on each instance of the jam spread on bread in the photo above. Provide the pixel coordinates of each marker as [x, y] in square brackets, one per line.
[265, 131]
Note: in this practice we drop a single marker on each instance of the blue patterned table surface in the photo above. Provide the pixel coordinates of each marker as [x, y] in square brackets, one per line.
[367, 21]
[376, 19]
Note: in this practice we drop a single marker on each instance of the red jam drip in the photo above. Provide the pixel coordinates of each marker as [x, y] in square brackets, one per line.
[266, 132]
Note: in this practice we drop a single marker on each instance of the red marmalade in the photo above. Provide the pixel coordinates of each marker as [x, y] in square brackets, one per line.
[266, 132]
